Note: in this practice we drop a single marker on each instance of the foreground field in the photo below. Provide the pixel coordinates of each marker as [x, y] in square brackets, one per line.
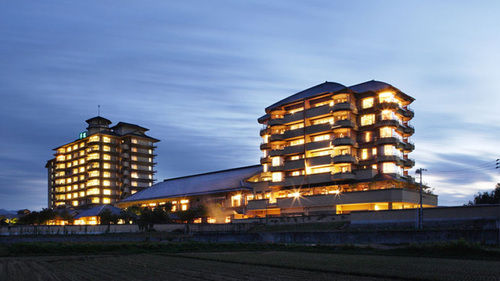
[244, 266]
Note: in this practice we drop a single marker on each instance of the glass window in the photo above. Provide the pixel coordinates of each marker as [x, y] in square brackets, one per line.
[368, 102]
[277, 177]
[385, 132]
[367, 119]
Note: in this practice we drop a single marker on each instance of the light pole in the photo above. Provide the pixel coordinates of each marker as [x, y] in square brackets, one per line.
[421, 210]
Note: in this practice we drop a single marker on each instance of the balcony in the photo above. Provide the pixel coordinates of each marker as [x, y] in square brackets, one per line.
[289, 118]
[317, 161]
[345, 159]
[387, 123]
[294, 165]
[344, 106]
[343, 176]
[274, 122]
[366, 174]
[265, 160]
[318, 145]
[319, 178]
[408, 162]
[275, 152]
[388, 158]
[258, 204]
[346, 123]
[390, 140]
[265, 131]
[293, 149]
[326, 127]
[408, 146]
[264, 146]
[276, 168]
[295, 181]
[318, 111]
[408, 129]
[276, 137]
[408, 113]
[293, 133]
[343, 141]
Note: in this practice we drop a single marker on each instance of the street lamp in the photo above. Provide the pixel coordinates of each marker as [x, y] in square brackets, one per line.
[421, 210]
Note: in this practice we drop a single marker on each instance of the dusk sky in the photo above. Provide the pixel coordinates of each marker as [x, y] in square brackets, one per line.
[198, 74]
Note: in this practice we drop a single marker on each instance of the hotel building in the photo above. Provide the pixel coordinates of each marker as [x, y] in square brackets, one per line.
[104, 165]
[330, 140]
[330, 149]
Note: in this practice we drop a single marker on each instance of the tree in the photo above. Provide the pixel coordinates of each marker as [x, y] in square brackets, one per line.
[107, 217]
[486, 197]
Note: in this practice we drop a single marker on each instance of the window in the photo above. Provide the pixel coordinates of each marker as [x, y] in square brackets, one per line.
[106, 139]
[364, 153]
[323, 121]
[82, 161]
[386, 97]
[368, 136]
[367, 103]
[297, 173]
[93, 191]
[374, 151]
[321, 170]
[296, 126]
[106, 148]
[387, 115]
[389, 150]
[385, 132]
[95, 200]
[320, 153]
[292, 111]
[134, 149]
[94, 174]
[106, 174]
[94, 138]
[295, 157]
[106, 157]
[106, 200]
[133, 140]
[277, 177]
[297, 142]
[93, 156]
[321, 138]
[106, 183]
[184, 204]
[367, 119]
[134, 175]
[236, 200]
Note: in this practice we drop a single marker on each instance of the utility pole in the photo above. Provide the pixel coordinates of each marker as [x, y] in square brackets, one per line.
[421, 210]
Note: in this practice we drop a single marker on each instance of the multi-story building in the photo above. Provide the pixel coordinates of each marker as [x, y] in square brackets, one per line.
[330, 149]
[105, 164]
[332, 139]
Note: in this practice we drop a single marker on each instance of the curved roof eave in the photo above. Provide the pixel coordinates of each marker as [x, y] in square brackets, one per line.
[376, 86]
[315, 90]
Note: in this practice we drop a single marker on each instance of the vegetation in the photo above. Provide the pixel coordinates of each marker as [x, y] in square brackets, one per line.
[492, 197]
[195, 261]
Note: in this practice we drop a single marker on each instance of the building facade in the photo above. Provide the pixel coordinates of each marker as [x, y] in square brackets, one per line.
[330, 140]
[104, 165]
[330, 149]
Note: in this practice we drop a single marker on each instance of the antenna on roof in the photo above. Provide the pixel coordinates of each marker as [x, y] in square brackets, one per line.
[99, 110]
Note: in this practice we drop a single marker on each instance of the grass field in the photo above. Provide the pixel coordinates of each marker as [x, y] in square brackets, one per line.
[198, 261]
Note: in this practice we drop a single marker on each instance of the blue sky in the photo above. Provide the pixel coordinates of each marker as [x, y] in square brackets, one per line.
[198, 74]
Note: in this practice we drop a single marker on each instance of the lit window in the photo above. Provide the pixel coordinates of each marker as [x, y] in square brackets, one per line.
[93, 156]
[106, 200]
[106, 148]
[94, 174]
[374, 151]
[321, 138]
[364, 153]
[296, 126]
[93, 182]
[93, 191]
[297, 173]
[292, 111]
[82, 193]
[321, 170]
[385, 132]
[386, 97]
[236, 200]
[134, 140]
[133, 191]
[134, 158]
[387, 115]
[106, 166]
[277, 161]
[82, 161]
[106, 157]
[297, 142]
[134, 183]
[367, 119]
[388, 150]
[320, 153]
[134, 149]
[134, 166]
[94, 138]
[368, 102]
[211, 220]
[295, 157]
[134, 175]
[368, 136]
[106, 139]
[75, 203]
[277, 177]
[323, 121]
[106, 174]
[61, 150]
[106, 183]
[95, 200]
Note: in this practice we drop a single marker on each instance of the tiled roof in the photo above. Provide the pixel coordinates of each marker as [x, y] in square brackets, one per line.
[208, 183]
[95, 211]
[326, 87]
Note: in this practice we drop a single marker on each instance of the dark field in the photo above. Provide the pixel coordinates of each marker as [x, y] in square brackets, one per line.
[262, 265]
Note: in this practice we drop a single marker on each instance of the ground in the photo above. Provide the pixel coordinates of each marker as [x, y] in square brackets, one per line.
[260, 265]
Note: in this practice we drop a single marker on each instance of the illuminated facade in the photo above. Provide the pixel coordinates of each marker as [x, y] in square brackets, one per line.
[327, 144]
[102, 166]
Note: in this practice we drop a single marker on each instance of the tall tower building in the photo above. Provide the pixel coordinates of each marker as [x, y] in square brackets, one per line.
[105, 164]
[333, 139]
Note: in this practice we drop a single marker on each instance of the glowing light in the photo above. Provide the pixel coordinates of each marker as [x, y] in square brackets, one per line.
[296, 194]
